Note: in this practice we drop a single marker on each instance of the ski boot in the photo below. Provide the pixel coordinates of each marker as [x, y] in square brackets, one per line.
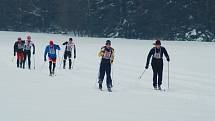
[64, 64]
[159, 88]
[155, 88]
[70, 64]
[100, 87]
[109, 90]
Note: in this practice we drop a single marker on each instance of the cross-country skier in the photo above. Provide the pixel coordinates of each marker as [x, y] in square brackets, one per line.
[157, 63]
[27, 51]
[70, 46]
[19, 50]
[51, 51]
[107, 57]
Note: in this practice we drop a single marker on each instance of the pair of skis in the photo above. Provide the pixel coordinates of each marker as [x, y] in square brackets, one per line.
[168, 84]
[52, 75]
[109, 89]
[71, 66]
[33, 60]
[162, 90]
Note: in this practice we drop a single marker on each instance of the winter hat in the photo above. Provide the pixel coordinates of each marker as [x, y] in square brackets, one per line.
[70, 39]
[157, 42]
[108, 42]
[51, 42]
[19, 38]
[28, 37]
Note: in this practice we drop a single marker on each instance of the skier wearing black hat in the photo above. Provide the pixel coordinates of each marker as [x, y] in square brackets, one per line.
[157, 63]
[107, 55]
[19, 50]
[70, 46]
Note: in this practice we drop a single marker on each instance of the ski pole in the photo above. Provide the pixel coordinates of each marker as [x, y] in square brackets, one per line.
[98, 75]
[168, 75]
[34, 61]
[58, 56]
[142, 74]
[13, 59]
[112, 76]
[73, 63]
[61, 62]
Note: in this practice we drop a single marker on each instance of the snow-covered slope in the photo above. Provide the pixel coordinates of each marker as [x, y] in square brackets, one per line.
[72, 95]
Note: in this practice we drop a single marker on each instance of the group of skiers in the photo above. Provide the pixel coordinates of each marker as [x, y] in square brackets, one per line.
[156, 53]
[52, 55]
[23, 50]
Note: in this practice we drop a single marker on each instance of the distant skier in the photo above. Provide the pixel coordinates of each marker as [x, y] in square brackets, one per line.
[51, 51]
[27, 51]
[70, 46]
[107, 54]
[19, 50]
[157, 63]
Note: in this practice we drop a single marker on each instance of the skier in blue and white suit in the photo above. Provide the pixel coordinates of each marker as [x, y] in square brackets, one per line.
[51, 51]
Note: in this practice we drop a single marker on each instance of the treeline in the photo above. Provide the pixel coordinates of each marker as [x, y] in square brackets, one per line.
[144, 19]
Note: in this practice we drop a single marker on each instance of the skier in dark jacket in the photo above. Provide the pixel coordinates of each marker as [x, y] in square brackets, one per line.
[19, 50]
[51, 51]
[107, 54]
[27, 51]
[70, 46]
[157, 63]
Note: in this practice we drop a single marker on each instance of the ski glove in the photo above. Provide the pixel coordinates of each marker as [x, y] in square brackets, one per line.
[111, 61]
[146, 67]
[14, 54]
[44, 59]
[74, 56]
[168, 59]
[33, 53]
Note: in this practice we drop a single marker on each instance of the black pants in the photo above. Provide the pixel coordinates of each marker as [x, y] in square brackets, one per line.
[27, 54]
[157, 68]
[51, 70]
[20, 64]
[67, 54]
[105, 67]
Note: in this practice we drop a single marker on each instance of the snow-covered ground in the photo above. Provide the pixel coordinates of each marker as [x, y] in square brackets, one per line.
[72, 95]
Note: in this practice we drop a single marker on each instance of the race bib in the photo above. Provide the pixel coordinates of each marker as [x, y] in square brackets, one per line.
[157, 55]
[52, 50]
[70, 47]
[20, 46]
[28, 46]
[107, 55]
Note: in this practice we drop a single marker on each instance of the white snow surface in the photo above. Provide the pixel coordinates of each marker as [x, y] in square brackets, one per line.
[73, 95]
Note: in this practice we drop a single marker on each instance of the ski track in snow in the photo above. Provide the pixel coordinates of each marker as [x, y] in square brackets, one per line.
[32, 95]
